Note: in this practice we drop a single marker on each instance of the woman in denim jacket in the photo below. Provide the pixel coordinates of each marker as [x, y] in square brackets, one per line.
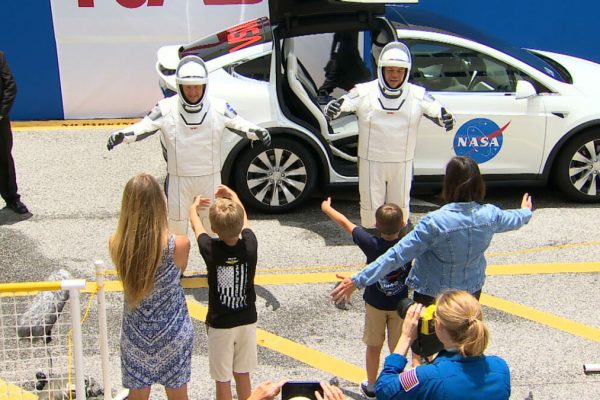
[448, 244]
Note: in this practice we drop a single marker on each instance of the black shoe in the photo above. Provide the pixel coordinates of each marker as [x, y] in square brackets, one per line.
[18, 207]
[369, 394]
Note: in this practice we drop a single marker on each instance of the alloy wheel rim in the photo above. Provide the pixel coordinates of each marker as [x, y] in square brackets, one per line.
[277, 177]
[584, 168]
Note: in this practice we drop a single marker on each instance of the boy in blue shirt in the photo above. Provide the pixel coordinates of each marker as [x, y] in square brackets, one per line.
[382, 297]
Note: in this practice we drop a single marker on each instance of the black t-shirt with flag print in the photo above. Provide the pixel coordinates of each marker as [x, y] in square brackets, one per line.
[231, 270]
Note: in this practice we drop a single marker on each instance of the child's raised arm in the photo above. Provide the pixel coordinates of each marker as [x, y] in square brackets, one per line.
[337, 216]
[199, 203]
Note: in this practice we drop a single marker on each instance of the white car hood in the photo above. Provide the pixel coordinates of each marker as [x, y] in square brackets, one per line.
[584, 73]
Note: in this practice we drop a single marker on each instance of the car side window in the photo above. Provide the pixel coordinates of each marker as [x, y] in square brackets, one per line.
[257, 68]
[437, 67]
[440, 67]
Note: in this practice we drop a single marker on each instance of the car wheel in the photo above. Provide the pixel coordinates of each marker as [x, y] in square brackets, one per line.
[275, 178]
[578, 168]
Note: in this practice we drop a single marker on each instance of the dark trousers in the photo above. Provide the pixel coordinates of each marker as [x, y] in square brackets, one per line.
[428, 300]
[8, 178]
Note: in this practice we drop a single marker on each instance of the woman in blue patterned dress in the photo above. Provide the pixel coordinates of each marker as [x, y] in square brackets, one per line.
[157, 333]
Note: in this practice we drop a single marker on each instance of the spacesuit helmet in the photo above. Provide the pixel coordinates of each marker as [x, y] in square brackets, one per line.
[193, 72]
[394, 54]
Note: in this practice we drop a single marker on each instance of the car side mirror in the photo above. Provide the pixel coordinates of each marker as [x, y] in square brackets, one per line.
[524, 90]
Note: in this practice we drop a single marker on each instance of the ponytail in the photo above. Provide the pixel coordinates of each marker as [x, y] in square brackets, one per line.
[461, 315]
[474, 340]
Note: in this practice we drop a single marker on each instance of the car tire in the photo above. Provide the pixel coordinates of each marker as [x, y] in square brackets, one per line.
[577, 169]
[275, 178]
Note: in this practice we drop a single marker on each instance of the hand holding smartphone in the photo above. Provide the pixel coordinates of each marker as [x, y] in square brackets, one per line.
[301, 390]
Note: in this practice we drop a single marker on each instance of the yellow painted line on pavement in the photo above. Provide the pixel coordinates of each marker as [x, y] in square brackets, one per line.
[314, 358]
[307, 268]
[195, 282]
[277, 279]
[190, 282]
[58, 125]
[542, 317]
[311, 268]
[197, 310]
[553, 268]
[202, 282]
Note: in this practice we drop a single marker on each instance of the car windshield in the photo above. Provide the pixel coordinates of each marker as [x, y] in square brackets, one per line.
[412, 18]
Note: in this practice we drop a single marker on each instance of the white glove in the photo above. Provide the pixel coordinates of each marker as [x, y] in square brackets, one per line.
[333, 109]
[263, 135]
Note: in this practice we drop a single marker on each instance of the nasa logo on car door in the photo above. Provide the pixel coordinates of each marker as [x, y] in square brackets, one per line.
[480, 139]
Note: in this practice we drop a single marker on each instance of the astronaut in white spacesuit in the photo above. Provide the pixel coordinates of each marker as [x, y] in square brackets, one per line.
[191, 126]
[389, 110]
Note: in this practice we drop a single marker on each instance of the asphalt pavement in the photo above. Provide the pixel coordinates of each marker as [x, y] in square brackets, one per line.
[541, 300]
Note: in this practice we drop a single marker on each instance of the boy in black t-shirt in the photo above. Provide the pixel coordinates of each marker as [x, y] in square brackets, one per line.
[381, 298]
[231, 266]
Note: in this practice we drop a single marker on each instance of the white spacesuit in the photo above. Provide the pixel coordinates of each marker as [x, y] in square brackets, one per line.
[191, 126]
[388, 119]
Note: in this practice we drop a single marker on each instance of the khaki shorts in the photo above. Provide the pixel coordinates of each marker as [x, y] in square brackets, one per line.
[231, 350]
[377, 322]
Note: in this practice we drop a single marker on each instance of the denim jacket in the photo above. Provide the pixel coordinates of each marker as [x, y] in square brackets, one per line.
[448, 247]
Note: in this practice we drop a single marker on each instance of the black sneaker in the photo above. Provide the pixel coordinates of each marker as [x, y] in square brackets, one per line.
[369, 394]
[18, 207]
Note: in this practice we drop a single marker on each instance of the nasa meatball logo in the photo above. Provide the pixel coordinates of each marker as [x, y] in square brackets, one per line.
[480, 139]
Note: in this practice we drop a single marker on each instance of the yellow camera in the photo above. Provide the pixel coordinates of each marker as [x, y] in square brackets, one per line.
[427, 342]
[427, 321]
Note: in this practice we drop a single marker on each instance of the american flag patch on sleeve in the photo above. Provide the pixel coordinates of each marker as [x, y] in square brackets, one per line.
[409, 379]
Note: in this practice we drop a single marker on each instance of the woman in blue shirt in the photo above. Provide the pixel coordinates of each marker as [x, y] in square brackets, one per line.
[448, 244]
[460, 371]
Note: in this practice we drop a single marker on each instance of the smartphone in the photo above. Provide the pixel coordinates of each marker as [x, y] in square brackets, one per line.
[300, 390]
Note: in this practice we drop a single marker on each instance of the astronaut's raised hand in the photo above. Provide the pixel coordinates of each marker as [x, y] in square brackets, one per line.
[263, 135]
[118, 138]
[333, 109]
[114, 139]
[447, 119]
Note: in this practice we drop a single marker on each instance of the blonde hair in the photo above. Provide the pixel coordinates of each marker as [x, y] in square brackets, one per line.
[461, 315]
[226, 217]
[136, 248]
